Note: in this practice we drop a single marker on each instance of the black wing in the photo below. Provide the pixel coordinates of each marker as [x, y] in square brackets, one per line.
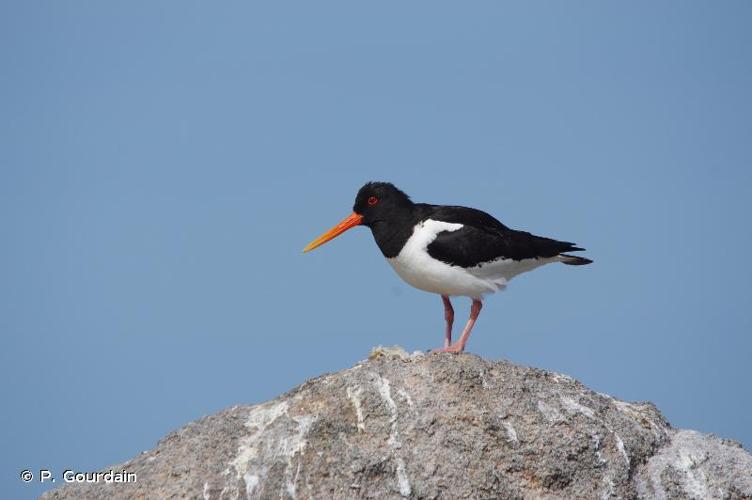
[483, 238]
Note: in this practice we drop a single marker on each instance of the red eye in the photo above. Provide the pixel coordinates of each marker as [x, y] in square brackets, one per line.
[373, 200]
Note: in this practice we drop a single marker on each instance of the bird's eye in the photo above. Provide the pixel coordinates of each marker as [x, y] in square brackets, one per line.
[373, 200]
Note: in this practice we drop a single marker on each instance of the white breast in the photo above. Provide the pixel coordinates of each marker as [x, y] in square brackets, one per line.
[414, 265]
[419, 269]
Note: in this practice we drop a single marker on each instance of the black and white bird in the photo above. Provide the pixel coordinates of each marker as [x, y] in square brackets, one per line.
[448, 250]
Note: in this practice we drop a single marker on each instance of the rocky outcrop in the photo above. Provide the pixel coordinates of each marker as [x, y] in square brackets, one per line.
[434, 426]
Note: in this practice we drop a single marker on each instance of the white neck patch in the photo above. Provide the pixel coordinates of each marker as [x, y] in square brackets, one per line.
[427, 231]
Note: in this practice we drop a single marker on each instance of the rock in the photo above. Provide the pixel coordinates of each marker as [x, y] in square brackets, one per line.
[448, 426]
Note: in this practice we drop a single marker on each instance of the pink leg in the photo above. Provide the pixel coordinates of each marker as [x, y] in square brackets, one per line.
[449, 317]
[459, 346]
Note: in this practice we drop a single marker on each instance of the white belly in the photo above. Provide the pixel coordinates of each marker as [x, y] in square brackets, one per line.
[419, 269]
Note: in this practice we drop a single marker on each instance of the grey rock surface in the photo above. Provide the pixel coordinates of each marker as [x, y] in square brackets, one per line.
[434, 426]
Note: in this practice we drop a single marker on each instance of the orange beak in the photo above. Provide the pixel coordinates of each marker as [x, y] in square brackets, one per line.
[350, 222]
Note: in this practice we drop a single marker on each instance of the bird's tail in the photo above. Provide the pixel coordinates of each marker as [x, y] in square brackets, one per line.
[573, 260]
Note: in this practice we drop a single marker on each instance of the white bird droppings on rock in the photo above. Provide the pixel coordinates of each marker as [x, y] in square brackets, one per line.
[354, 396]
[293, 446]
[258, 419]
[402, 481]
[550, 412]
[257, 453]
[511, 432]
[383, 386]
[621, 448]
[573, 406]
[402, 392]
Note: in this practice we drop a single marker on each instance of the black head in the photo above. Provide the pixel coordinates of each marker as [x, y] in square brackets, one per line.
[378, 205]
[381, 202]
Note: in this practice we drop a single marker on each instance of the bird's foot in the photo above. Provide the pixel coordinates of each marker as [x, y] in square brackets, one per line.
[454, 348]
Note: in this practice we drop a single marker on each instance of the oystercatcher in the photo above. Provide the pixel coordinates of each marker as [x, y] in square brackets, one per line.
[448, 250]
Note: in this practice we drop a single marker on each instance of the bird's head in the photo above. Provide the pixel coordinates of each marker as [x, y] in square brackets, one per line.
[380, 202]
[375, 202]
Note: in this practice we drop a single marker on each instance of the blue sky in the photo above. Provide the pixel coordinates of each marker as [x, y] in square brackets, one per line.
[164, 163]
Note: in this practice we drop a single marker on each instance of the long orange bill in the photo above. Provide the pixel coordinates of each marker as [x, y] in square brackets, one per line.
[350, 222]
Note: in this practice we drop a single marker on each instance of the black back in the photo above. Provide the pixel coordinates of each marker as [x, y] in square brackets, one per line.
[483, 239]
[391, 215]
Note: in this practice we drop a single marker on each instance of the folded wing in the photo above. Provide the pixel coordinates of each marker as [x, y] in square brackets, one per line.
[484, 239]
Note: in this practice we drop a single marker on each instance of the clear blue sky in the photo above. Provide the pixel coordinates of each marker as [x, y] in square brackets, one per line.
[164, 163]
